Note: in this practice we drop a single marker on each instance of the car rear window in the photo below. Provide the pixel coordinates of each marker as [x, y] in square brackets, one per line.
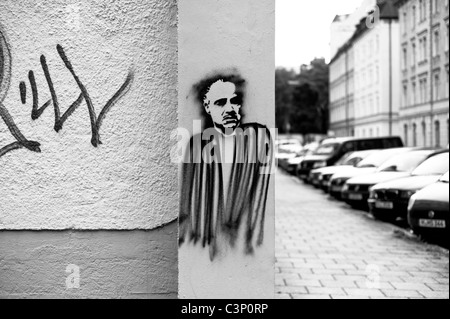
[436, 165]
[327, 149]
[404, 162]
[392, 142]
[378, 158]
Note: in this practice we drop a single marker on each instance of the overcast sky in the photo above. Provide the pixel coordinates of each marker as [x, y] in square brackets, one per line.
[303, 29]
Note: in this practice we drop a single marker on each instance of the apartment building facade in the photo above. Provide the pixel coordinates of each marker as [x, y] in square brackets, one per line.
[364, 80]
[342, 84]
[424, 36]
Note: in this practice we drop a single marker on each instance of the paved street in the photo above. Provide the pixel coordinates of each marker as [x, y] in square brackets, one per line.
[326, 250]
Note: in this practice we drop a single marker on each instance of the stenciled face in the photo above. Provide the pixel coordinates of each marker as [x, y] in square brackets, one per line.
[223, 103]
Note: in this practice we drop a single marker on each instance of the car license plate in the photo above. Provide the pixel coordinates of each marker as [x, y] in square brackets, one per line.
[430, 223]
[384, 205]
[355, 196]
[336, 189]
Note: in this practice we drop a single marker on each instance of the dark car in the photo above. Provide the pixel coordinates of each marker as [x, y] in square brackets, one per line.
[389, 201]
[331, 150]
[428, 210]
[367, 166]
[320, 177]
[356, 190]
[290, 163]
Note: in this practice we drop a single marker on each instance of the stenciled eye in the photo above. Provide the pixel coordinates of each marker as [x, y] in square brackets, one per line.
[221, 102]
[237, 100]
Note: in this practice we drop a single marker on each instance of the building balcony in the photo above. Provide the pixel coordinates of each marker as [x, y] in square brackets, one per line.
[423, 62]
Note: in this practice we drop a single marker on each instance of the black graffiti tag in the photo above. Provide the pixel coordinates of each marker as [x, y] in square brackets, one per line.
[36, 112]
[5, 78]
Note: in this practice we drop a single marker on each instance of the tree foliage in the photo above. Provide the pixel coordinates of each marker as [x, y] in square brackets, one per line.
[302, 99]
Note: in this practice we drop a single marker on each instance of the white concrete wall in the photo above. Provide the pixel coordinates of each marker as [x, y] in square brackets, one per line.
[109, 210]
[214, 35]
[128, 181]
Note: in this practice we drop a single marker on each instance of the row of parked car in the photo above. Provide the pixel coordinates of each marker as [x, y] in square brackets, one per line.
[381, 176]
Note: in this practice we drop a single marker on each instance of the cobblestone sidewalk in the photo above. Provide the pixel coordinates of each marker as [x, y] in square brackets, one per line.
[326, 250]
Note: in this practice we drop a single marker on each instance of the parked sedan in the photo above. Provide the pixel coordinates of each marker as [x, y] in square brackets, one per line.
[290, 163]
[320, 177]
[428, 210]
[389, 201]
[356, 190]
[367, 166]
[286, 149]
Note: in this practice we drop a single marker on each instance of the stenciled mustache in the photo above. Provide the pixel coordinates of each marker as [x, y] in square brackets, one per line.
[231, 117]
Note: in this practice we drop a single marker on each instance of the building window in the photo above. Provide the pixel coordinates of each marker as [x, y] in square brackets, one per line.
[423, 90]
[436, 43]
[435, 6]
[414, 135]
[424, 133]
[420, 91]
[405, 21]
[377, 74]
[423, 10]
[448, 132]
[437, 87]
[420, 10]
[447, 87]
[424, 48]
[405, 58]
[414, 55]
[413, 18]
[405, 133]
[437, 133]
[414, 93]
[405, 95]
[446, 42]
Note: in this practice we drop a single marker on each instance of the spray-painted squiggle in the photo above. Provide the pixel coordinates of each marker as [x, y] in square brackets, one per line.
[36, 112]
[5, 78]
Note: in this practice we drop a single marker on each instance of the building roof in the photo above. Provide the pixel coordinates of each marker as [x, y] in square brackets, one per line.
[399, 3]
[388, 11]
[340, 18]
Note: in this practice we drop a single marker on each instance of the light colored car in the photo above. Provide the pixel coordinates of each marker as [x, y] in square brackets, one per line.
[320, 177]
[290, 164]
[428, 210]
[389, 200]
[286, 149]
[367, 166]
[356, 190]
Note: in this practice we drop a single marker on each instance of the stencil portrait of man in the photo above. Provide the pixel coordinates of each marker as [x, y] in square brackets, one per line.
[225, 173]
